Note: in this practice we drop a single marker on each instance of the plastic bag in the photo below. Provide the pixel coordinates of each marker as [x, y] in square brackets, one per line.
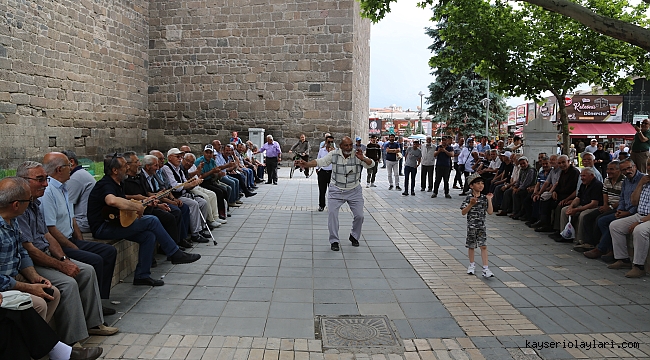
[568, 232]
[16, 300]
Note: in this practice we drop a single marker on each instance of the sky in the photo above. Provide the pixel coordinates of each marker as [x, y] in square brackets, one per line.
[399, 58]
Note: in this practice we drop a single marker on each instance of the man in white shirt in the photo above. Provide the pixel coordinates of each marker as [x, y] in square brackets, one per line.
[345, 187]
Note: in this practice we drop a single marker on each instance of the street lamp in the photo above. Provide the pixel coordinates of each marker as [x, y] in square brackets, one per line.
[420, 117]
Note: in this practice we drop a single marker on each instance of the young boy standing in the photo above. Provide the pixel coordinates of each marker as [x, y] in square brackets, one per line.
[475, 206]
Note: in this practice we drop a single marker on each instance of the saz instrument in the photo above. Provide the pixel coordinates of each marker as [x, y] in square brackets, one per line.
[125, 218]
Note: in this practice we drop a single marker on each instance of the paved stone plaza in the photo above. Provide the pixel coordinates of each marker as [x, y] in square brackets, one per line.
[261, 293]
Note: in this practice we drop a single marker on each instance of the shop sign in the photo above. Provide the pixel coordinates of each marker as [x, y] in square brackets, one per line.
[521, 114]
[595, 108]
[374, 127]
[512, 117]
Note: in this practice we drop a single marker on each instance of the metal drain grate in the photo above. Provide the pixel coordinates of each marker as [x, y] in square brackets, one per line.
[358, 332]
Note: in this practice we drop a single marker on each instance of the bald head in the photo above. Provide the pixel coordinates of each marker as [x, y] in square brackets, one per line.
[15, 195]
[57, 166]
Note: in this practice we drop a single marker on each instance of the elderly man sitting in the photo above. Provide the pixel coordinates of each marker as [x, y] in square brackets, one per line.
[80, 310]
[588, 199]
[637, 225]
[176, 176]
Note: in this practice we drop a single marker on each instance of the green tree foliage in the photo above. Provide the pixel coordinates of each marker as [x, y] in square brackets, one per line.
[528, 51]
[455, 100]
[602, 16]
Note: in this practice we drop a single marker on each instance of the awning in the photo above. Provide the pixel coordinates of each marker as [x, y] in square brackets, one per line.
[602, 130]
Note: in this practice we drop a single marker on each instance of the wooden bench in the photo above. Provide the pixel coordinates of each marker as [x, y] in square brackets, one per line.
[127, 256]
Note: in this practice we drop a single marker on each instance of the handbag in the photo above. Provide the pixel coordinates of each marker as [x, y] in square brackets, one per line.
[399, 156]
[568, 232]
[15, 300]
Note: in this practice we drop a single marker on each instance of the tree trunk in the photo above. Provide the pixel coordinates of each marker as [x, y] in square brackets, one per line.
[618, 29]
[564, 121]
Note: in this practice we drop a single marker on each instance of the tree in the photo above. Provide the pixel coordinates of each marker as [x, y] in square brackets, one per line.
[590, 15]
[455, 100]
[528, 51]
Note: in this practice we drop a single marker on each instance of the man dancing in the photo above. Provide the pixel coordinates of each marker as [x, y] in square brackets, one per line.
[345, 187]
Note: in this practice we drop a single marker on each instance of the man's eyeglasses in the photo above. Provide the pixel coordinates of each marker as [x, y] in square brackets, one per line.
[39, 179]
[23, 201]
[626, 169]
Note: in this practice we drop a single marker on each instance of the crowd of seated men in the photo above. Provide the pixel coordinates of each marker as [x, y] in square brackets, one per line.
[171, 200]
[547, 198]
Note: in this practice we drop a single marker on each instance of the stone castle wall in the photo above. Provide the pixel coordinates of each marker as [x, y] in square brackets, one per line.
[73, 75]
[287, 66]
[110, 75]
[361, 75]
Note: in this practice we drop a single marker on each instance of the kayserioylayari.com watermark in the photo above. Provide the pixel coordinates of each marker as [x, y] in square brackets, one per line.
[582, 345]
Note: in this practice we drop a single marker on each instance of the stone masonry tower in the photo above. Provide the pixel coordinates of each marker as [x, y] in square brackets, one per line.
[98, 76]
[289, 66]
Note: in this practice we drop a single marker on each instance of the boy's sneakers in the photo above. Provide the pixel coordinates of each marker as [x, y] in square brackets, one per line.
[398, 188]
[487, 273]
[471, 269]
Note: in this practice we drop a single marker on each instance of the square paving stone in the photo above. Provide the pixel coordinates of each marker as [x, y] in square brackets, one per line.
[436, 328]
[541, 320]
[255, 309]
[361, 265]
[169, 292]
[424, 310]
[201, 308]
[565, 320]
[326, 273]
[289, 328]
[228, 261]
[296, 263]
[263, 262]
[336, 309]
[285, 310]
[240, 326]
[403, 328]
[333, 296]
[210, 293]
[252, 294]
[256, 282]
[291, 272]
[155, 306]
[218, 280]
[366, 273]
[190, 325]
[369, 283]
[293, 295]
[374, 296]
[181, 279]
[226, 270]
[332, 283]
[142, 323]
[260, 271]
[393, 311]
[294, 283]
[418, 295]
